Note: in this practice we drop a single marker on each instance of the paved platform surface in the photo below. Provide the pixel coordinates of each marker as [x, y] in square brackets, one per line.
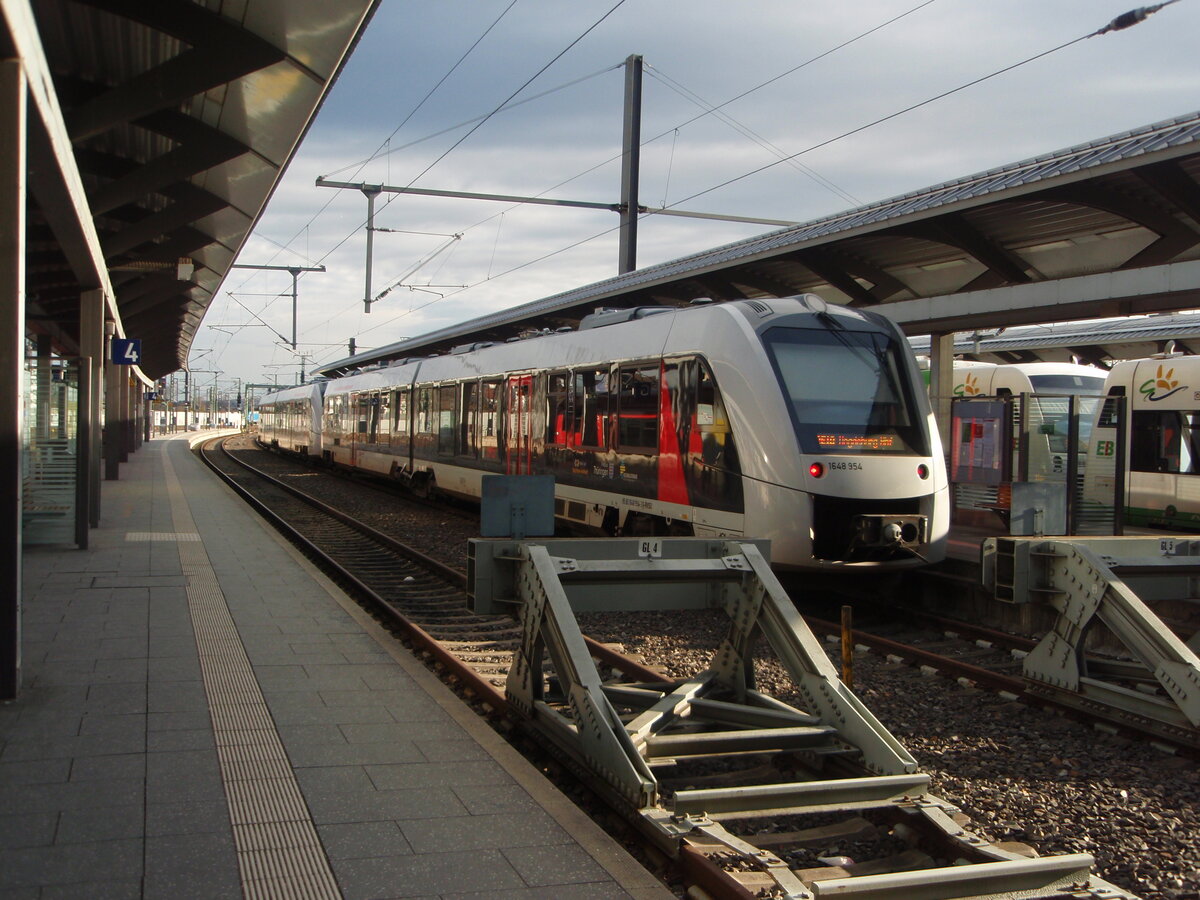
[203, 714]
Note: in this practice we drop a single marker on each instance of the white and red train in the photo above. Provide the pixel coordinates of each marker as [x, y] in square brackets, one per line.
[782, 419]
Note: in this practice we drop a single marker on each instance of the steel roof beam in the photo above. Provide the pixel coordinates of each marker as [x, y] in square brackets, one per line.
[767, 282]
[953, 230]
[833, 273]
[220, 51]
[1120, 293]
[712, 286]
[193, 204]
[154, 292]
[1093, 354]
[1175, 185]
[1017, 356]
[1173, 236]
[827, 262]
[160, 173]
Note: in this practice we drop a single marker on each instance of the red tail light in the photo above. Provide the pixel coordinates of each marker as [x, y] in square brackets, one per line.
[923, 471]
[816, 470]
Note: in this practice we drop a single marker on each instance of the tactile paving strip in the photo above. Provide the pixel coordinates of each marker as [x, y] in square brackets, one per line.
[279, 853]
[173, 536]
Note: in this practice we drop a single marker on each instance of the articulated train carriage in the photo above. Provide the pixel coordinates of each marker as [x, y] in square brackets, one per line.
[291, 419]
[780, 419]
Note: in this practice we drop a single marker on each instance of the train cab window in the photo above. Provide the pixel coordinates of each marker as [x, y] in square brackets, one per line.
[446, 427]
[637, 410]
[591, 408]
[848, 390]
[1110, 412]
[489, 420]
[559, 412]
[467, 442]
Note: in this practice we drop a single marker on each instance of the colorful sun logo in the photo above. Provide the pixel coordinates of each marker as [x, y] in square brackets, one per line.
[968, 388]
[1161, 386]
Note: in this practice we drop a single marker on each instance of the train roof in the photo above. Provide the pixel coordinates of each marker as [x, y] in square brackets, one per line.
[299, 392]
[638, 333]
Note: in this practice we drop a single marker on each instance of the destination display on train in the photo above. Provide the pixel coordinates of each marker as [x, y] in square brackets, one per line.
[857, 441]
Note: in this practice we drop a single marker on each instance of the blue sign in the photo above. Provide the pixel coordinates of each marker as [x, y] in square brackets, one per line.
[126, 351]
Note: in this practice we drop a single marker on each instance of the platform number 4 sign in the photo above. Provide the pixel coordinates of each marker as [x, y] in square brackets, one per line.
[651, 548]
[126, 351]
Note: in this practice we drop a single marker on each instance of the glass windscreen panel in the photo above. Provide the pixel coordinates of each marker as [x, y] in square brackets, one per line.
[1067, 384]
[848, 391]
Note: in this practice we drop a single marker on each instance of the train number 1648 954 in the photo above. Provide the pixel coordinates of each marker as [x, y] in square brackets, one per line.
[845, 464]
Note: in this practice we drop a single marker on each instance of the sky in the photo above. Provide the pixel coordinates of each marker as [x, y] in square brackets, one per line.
[416, 104]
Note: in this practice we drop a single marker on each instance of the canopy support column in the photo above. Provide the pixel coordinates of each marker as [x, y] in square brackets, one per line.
[941, 382]
[12, 353]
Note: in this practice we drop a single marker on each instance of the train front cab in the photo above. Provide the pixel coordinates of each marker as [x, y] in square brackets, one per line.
[1161, 441]
[872, 475]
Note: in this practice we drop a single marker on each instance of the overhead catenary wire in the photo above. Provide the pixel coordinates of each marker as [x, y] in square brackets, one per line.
[1121, 22]
[510, 104]
[1125, 20]
[412, 112]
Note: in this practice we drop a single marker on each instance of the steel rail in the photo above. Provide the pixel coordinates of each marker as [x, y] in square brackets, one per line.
[1020, 688]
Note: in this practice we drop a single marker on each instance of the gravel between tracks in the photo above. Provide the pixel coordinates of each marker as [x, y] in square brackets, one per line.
[1020, 773]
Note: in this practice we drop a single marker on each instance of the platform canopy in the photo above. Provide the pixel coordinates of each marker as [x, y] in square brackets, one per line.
[1096, 342]
[1107, 228]
[157, 132]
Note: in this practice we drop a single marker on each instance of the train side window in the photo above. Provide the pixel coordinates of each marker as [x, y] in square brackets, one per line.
[591, 408]
[400, 409]
[637, 415]
[362, 411]
[425, 417]
[446, 420]
[717, 445]
[468, 445]
[559, 416]
[384, 413]
[372, 417]
[489, 421]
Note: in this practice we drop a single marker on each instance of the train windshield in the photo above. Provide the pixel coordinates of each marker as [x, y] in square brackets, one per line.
[1067, 384]
[848, 391]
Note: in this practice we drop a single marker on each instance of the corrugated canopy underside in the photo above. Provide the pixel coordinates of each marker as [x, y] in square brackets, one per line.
[182, 116]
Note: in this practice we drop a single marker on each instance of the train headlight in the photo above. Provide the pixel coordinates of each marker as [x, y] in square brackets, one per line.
[923, 471]
[816, 470]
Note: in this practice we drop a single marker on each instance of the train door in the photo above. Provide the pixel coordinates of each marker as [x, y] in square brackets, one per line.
[519, 430]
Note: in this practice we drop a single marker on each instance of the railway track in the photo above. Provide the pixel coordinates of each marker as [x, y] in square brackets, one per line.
[990, 660]
[813, 785]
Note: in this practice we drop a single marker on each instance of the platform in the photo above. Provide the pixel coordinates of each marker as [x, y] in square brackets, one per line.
[204, 714]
